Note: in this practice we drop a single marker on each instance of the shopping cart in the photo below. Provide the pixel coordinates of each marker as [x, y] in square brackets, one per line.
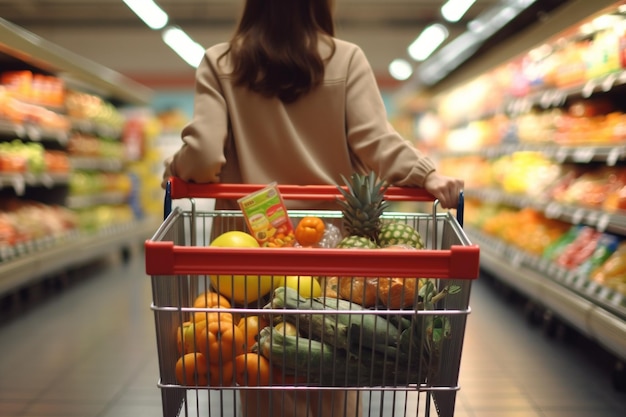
[419, 373]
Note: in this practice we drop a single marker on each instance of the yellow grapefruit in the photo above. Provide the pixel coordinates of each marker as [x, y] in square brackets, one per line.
[240, 288]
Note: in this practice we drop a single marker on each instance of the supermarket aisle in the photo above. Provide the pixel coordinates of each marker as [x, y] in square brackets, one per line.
[90, 352]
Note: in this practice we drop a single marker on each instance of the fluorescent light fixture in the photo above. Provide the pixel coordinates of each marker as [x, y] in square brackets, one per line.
[449, 58]
[148, 11]
[400, 69]
[453, 10]
[429, 40]
[188, 49]
[523, 4]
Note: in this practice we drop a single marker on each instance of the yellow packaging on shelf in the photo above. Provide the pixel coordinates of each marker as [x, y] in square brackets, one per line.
[267, 218]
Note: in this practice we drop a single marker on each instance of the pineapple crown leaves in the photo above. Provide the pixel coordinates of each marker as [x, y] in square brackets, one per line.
[363, 204]
[363, 191]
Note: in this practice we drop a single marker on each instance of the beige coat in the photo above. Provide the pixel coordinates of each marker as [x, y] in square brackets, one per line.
[237, 136]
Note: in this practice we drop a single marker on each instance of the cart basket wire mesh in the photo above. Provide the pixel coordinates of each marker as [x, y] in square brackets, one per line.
[405, 344]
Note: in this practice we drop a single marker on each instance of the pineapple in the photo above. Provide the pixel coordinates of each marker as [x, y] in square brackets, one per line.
[398, 233]
[362, 209]
[357, 242]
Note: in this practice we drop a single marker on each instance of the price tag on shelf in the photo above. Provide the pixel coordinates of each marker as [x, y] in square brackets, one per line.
[34, 133]
[7, 253]
[608, 82]
[19, 184]
[614, 155]
[517, 259]
[603, 222]
[561, 154]
[617, 299]
[47, 180]
[62, 137]
[553, 210]
[592, 218]
[20, 130]
[570, 277]
[584, 154]
[578, 215]
[591, 288]
[558, 275]
[552, 269]
[20, 249]
[605, 293]
[588, 88]
[580, 281]
[545, 101]
[499, 248]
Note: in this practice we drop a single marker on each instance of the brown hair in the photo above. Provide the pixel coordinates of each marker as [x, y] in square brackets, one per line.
[275, 47]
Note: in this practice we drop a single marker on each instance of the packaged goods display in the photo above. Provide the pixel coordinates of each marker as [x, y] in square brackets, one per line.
[66, 185]
[540, 143]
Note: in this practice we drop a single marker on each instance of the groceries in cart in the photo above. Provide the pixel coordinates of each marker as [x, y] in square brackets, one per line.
[342, 330]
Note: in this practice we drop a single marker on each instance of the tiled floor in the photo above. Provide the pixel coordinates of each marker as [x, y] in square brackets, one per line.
[90, 351]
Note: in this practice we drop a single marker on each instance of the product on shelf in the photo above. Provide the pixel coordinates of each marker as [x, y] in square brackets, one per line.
[29, 87]
[25, 220]
[601, 188]
[18, 156]
[612, 273]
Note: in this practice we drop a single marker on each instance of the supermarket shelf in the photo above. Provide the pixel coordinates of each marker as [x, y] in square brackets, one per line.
[89, 163]
[74, 69]
[19, 181]
[595, 311]
[556, 97]
[609, 154]
[33, 132]
[51, 260]
[86, 201]
[600, 219]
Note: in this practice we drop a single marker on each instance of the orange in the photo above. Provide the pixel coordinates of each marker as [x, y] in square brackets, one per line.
[221, 341]
[192, 369]
[211, 299]
[221, 375]
[251, 326]
[252, 370]
[212, 316]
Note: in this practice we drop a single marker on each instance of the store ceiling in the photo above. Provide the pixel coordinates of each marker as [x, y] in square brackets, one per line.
[107, 31]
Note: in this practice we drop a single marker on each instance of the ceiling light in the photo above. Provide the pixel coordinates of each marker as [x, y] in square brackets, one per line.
[453, 10]
[148, 11]
[188, 49]
[400, 69]
[429, 40]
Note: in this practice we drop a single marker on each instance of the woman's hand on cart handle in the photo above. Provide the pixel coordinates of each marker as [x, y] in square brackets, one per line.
[445, 189]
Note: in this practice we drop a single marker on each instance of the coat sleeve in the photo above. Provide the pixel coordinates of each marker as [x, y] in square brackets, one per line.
[374, 142]
[201, 156]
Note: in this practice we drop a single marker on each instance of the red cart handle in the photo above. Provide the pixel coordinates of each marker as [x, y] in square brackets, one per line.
[177, 188]
[182, 189]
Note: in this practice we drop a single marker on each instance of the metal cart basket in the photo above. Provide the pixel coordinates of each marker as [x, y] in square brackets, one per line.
[399, 360]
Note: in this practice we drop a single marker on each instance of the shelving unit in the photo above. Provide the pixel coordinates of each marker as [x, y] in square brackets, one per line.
[36, 259]
[596, 311]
